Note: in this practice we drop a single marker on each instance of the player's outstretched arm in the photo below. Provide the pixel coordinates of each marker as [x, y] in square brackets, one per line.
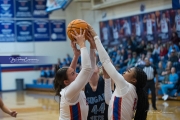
[92, 50]
[85, 74]
[76, 55]
[106, 62]
[107, 87]
[7, 110]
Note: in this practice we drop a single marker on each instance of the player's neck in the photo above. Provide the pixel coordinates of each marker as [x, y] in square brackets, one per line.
[94, 80]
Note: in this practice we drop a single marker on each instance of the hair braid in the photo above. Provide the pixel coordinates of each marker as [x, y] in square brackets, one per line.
[142, 104]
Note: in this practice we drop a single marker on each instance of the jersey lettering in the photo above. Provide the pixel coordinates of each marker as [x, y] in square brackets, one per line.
[96, 99]
[99, 117]
[101, 108]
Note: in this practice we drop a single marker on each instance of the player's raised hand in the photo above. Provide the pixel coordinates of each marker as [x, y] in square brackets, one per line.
[91, 40]
[80, 38]
[92, 31]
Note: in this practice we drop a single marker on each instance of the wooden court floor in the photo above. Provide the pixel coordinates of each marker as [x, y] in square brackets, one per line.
[44, 106]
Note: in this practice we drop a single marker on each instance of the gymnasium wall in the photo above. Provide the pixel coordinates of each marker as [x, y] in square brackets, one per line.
[55, 49]
[94, 17]
[75, 10]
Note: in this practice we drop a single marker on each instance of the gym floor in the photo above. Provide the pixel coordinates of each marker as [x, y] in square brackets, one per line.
[44, 106]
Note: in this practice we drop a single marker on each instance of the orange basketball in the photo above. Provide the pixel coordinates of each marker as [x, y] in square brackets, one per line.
[76, 25]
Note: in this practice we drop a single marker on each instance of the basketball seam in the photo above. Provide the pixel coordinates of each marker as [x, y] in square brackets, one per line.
[75, 27]
[71, 27]
[79, 23]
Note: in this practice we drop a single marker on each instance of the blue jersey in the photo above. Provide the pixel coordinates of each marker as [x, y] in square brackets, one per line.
[98, 109]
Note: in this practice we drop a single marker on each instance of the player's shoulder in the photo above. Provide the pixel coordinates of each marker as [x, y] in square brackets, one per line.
[131, 89]
[62, 92]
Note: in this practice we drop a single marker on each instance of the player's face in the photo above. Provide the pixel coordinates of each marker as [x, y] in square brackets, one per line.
[71, 74]
[129, 75]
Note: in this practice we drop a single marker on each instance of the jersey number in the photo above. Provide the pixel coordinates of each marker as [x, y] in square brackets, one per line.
[101, 108]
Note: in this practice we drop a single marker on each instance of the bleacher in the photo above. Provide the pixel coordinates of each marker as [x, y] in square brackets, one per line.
[113, 53]
[39, 87]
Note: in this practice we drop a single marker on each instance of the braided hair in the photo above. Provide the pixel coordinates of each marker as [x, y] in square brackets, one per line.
[142, 104]
[61, 75]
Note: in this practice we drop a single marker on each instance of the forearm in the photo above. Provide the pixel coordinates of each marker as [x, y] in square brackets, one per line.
[93, 58]
[74, 62]
[107, 90]
[83, 77]
[108, 66]
[103, 55]
[4, 108]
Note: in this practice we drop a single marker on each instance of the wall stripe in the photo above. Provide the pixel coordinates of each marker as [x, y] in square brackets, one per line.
[23, 68]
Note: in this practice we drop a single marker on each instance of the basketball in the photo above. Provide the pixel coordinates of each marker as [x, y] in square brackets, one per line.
[76, 25]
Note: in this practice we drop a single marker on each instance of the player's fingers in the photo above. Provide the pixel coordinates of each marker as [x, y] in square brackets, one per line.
[13, 114]
[87, 34]
[73, 35]
[89, 37]
[80, 31]
[75, 32]
[84, 32]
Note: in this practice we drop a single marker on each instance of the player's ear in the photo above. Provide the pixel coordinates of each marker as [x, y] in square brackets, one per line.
[66, 82]
[133, 81]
